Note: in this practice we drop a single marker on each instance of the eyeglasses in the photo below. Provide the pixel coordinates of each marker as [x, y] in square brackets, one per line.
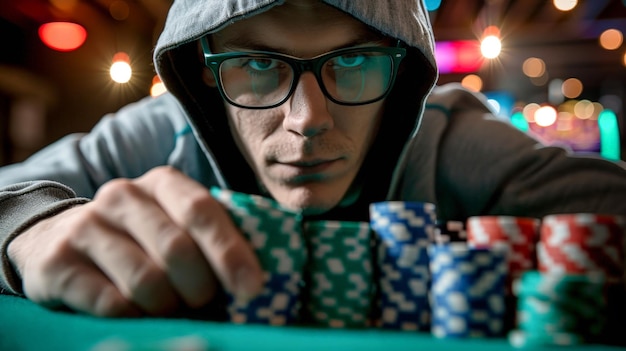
[260, 80]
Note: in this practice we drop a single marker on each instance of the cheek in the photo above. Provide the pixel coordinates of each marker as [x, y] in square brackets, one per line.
[368, 117]
[250, 129]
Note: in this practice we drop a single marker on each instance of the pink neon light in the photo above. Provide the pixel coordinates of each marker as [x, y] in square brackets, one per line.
[461, 56]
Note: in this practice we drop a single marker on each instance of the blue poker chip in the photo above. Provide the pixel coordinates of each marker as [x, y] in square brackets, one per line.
[403, 231]
[468, 286]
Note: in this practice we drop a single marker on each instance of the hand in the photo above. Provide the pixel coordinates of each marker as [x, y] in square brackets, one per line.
[146, 246]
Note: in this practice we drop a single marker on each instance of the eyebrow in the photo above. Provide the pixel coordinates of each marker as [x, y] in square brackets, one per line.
[251, 43]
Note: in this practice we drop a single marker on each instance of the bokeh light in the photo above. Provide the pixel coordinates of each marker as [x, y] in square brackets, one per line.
[472, 82]
[158, 88]
[432, 5]
[495, 105]
[119, 10]
[121, 71]
[584, 109]
[545, 116]
[572, 88]
[541, 80]
[64, 5]
[609, 135]
[491, 30]
[490, 46]
[62, 36]
[534, 67]
[565, 5]
[611, 39]
[529, 112]
[519, 121]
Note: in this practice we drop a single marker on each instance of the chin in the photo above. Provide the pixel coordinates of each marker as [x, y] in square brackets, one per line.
[308, 200]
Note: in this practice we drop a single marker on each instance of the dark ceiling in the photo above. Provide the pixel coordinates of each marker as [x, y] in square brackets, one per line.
[567, 41]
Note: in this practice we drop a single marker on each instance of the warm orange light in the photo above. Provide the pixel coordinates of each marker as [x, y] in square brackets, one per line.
[62, 36]
[491, 30]
[121, 57]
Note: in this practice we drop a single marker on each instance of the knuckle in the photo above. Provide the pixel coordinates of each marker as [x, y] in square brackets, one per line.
[231, 255]
[163, 174]
[195, 209]
[115, 191]
[174, 243]
[144, 278]
[109, 303]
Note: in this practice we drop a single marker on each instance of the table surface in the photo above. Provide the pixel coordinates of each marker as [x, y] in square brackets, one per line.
[27, 326]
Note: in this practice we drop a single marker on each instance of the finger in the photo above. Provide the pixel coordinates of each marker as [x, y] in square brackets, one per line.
[192, 207]
[125, 263]
[167, 244]
[81, 287]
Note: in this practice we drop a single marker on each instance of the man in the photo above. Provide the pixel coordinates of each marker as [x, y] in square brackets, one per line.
[315, 104]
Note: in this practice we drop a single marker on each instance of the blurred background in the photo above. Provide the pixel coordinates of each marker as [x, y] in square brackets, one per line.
[555, 68]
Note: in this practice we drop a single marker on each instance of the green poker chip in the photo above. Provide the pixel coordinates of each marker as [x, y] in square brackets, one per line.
[558, 309]
[273, 231]
[275, 234]
[339, 274]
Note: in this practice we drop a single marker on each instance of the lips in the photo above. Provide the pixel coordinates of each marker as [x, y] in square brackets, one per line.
[305, 169]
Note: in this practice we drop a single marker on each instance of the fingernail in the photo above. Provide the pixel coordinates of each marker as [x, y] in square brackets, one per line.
[247, 284]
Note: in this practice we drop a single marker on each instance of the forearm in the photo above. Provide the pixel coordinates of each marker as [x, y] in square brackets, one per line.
[21, 205]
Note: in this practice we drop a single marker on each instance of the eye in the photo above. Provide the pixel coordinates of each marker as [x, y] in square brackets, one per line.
[261, 64]
[353, 60]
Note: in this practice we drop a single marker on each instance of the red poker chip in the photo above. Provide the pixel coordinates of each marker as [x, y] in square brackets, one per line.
[583, 243]
[517, 234]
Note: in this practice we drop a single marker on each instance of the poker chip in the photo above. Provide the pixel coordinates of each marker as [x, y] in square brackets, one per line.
[558, 281]
[403, 232]
[449, 232]
[517, 235]
[559, 309]
[583, 243]
[340, 279]
[275, 235]
[467, 291]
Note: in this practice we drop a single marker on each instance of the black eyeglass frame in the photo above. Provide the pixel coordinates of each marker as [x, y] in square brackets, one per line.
[314, 65]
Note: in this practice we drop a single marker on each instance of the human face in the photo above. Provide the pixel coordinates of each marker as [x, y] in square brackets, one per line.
[307, 151]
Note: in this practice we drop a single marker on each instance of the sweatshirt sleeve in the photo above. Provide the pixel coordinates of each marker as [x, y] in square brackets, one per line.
[487, 166]
[126, 144]
[21, 205]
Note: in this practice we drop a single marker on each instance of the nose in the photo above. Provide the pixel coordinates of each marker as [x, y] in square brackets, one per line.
[308, 113]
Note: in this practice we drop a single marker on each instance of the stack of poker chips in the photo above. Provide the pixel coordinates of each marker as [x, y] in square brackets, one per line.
[340, 281]
[276, 238]
[517, 238]
[558, 309]
[515, 235]
[583, 243]
[400, 272]
[403, 232]
[589, 244]
[467, 291]
[316, 272]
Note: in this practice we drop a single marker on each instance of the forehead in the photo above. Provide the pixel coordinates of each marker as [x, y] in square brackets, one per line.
[299, 27]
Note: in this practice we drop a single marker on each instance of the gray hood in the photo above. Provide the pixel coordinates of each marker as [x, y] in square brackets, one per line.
[177, 63]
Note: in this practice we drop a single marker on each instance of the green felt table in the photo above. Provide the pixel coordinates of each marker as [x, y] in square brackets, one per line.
[27, 326]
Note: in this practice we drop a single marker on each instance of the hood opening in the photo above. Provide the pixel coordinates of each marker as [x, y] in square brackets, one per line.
[207, 115]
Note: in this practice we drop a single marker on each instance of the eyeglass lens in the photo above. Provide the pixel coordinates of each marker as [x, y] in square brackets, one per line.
[258, 81]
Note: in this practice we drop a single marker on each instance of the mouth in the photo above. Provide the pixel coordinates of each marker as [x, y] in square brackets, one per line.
[302, 170]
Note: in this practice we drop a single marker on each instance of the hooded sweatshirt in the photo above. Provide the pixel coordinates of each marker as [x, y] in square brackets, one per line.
[436, 144]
